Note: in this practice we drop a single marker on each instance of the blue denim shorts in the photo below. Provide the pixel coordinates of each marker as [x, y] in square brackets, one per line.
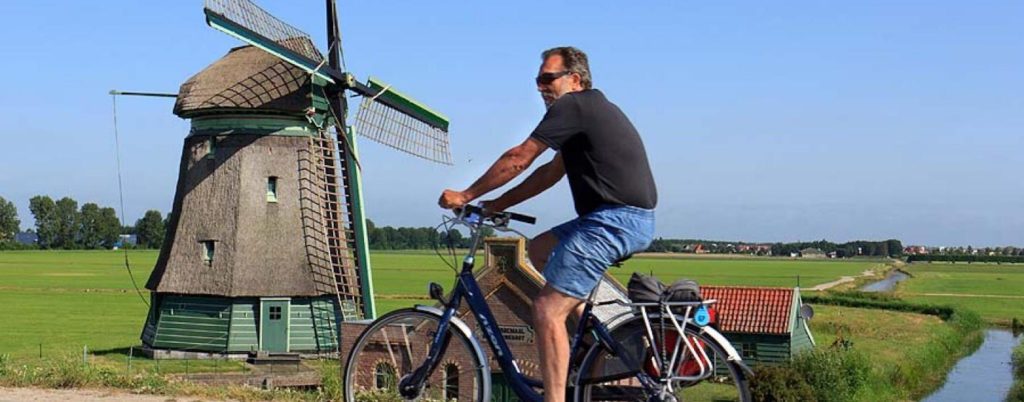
[589, 244]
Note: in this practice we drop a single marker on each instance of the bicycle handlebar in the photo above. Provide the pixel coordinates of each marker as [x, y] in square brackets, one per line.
[497, 217]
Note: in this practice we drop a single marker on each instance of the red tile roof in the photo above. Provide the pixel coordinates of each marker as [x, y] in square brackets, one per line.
[751, 310]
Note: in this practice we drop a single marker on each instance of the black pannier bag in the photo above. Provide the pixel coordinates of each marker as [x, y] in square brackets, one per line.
[648, 289]
[645, 289]
[686, 290]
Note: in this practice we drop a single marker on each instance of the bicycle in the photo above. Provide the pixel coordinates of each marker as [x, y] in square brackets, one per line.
[642, 358]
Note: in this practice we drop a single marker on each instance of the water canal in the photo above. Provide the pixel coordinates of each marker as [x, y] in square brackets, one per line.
[985, 375]
[888, 284]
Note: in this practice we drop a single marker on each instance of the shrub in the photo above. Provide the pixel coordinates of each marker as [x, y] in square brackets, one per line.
[67, 372]
[330, 380]
[780, 384]
[834, 375]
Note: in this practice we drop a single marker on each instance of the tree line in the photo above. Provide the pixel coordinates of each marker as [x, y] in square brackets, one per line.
[416, 238]
[968, 258]
[883, 248]
[63, 225]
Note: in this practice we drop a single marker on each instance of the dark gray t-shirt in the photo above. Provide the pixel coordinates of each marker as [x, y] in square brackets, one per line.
[603, 154]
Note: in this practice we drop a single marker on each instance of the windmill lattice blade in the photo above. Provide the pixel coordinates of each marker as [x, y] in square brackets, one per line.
[390, 127]
[253, 18]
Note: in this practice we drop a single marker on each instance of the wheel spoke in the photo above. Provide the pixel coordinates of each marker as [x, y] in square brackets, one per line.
[697, 367]
[381, 357]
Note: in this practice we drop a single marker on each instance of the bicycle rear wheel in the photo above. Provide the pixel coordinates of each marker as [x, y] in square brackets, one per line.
[395, 345]
[604, 376]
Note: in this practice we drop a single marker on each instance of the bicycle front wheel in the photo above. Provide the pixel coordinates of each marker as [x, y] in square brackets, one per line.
[606, 376]
[394, 346]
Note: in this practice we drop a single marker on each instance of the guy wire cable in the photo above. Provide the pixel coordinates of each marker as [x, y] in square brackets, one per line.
[120, 191]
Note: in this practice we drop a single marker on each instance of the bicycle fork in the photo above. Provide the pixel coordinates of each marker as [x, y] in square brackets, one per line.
[411, 385]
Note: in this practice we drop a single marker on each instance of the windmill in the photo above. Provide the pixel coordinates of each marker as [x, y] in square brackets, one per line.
[267, 246]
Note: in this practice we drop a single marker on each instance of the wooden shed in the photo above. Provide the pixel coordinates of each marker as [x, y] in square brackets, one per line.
[764, 324]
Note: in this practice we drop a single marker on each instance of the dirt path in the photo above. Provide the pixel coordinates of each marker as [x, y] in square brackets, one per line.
[840, 281]
[86, 395]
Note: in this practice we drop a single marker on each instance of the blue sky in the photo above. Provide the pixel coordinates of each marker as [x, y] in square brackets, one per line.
[763, 122]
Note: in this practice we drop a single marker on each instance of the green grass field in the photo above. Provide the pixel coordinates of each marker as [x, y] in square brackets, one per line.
[64, 300]
[994, 291]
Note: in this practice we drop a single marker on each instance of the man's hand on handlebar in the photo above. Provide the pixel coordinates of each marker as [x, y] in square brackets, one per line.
[451, 199]
[492, 206]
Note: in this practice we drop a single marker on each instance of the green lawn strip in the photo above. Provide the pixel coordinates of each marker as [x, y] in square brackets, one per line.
[994, 291]
[981, 279]
[782, 272]
[73, 269]
[910, 353]
[63, 322]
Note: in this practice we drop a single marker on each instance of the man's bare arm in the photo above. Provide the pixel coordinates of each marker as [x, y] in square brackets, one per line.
[511, 164]
[541, 179]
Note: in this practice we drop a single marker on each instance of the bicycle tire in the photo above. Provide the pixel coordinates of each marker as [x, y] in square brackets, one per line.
[604, 377]
[399, 341]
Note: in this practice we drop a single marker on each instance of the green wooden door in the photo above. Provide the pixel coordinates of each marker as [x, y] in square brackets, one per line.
[274, 325]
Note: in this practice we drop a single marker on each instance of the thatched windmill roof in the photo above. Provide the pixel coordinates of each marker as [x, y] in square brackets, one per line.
[246, 78]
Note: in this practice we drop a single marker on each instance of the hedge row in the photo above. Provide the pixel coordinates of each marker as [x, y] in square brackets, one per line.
[998, 259]
[879, 301]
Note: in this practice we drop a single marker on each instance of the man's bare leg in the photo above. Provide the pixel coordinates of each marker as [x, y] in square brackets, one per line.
[550, 310]
[539, 250]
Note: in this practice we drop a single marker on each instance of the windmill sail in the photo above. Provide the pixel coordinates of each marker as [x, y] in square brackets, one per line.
[249, 23]
[387, 125]
[385, 116]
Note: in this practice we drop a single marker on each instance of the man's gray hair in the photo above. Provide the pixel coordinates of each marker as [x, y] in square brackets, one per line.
[575, 61]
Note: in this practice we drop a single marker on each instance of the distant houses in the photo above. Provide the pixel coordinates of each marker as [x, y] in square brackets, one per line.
[915, 250]
[28, 238]
[812, 252]
[126, 240]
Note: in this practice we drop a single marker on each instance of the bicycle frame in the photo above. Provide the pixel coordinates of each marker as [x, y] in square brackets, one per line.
[524, 386]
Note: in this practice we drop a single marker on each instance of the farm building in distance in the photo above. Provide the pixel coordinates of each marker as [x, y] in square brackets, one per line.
[763, 324]
[811, 252]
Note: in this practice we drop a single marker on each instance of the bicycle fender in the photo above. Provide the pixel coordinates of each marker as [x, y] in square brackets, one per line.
[461, 326]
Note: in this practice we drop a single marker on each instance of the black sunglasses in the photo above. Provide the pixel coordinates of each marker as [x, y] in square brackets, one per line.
[547, 78]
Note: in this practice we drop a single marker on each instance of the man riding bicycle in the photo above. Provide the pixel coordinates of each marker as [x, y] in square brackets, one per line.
[612, 187]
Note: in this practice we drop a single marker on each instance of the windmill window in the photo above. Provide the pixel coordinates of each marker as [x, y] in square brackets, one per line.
[208, 250]
[272, 189]
[211, 147]
[385, 376]
[275, 312]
